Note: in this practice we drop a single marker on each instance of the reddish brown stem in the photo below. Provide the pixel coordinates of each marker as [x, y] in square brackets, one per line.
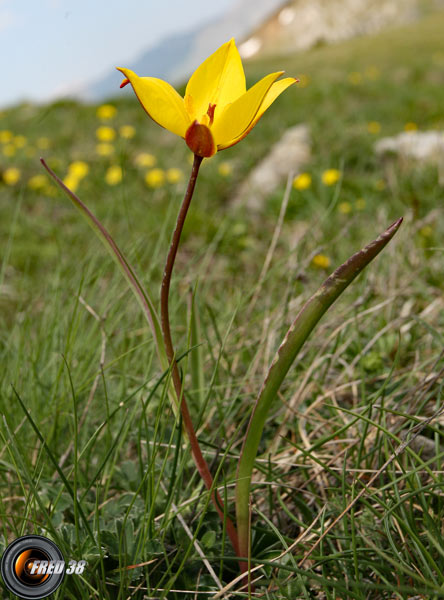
[200, 461]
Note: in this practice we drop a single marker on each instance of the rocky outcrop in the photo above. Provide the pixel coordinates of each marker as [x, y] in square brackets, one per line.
[301, 24]
[423, 146]
[287, 156]
[415, 146]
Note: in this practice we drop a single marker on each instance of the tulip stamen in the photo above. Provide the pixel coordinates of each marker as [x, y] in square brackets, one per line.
[210, 112]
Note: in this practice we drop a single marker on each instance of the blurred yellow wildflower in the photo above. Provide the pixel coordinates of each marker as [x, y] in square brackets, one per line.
[106, 112]
[43, 143]
[114, 175]
[174, 175]
[55, 163]
[345, 208]
[360, 204]
[302, 181]
[71, 182]
[144, 159]
[127, 131]
[331, 176]
[105, 134]
[426, 231]
[372, 73]
[5, 136]
[355, 78]
[321, 261]
[155, 178]
[78, 169]
[104, 149]
[217, 110]
[410, 126]
[50, 190]
[11, 176]
[37, 182]
[374, 127]
[225, 169]
[380, 185]
[9, 150]
[20, 141]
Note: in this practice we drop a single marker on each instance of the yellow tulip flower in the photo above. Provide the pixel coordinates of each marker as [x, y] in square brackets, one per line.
[217, 111]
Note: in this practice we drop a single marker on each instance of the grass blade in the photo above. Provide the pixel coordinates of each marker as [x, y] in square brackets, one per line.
[55, 463]
[196, 355]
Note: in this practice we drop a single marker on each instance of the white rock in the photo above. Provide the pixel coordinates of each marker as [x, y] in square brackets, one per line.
[424, 146]
[286, 157]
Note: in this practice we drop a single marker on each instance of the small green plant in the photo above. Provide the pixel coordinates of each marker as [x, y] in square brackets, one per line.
[216, 113]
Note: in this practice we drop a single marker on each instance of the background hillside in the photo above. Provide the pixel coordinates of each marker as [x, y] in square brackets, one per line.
[266, 27]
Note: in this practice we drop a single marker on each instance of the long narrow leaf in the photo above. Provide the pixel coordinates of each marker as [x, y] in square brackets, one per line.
[299, 331]
[124, 267]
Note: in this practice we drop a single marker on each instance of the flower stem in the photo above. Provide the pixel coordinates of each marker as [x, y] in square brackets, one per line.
[199, 460]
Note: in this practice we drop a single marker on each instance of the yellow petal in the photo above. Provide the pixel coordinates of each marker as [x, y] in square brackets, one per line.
[238, 116]
[275, 90]
[219, 80]
[161, 101]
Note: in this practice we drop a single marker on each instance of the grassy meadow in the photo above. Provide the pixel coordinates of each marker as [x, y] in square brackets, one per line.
[80, 385]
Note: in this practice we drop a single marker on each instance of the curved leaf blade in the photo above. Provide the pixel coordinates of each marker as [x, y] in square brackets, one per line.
[125, 268]
[299, 331]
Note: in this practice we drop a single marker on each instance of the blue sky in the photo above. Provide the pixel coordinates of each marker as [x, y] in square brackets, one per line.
[47, 47]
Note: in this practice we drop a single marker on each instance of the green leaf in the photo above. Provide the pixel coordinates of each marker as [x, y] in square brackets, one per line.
[125, 268]
[208, 539]
[299, 331]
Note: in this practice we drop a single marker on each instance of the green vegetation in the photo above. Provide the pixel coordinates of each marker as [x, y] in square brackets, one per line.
[80, 392]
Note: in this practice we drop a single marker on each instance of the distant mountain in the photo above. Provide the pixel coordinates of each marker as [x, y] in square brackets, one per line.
[176, 56]
[159, 61]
